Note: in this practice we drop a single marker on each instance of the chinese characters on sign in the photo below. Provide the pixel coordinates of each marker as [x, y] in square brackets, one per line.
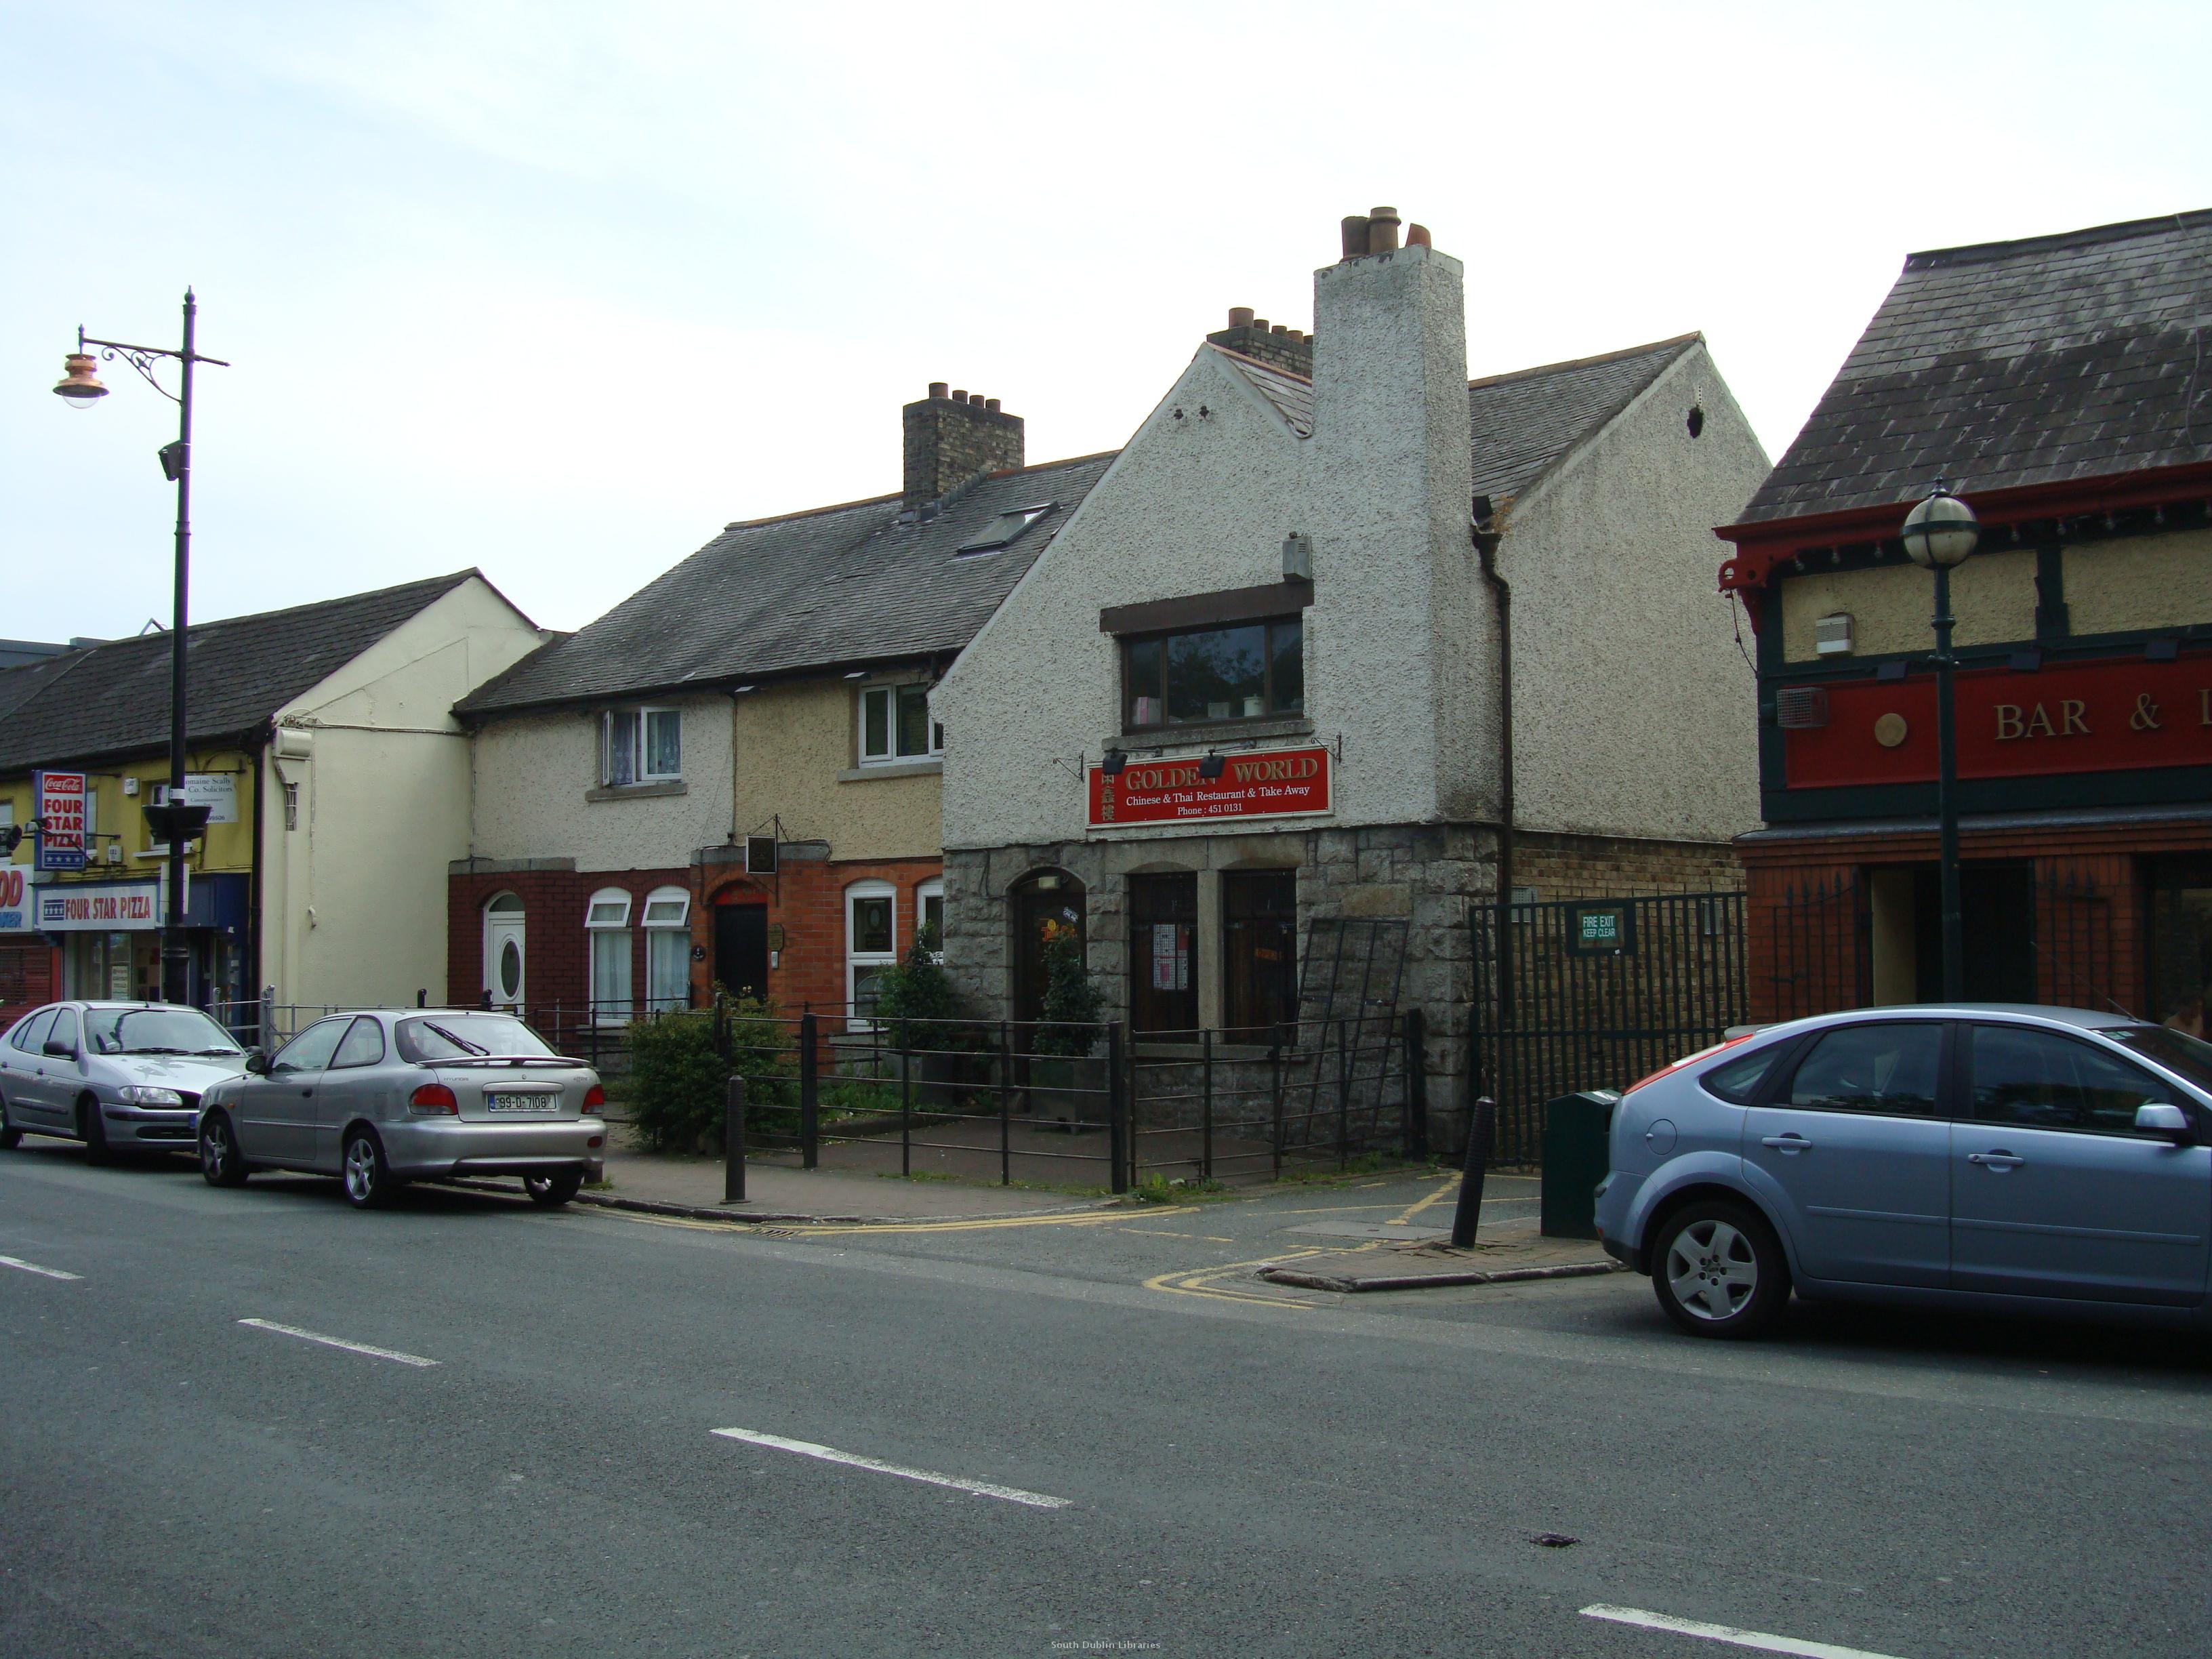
[58, 804]
[1269, 784]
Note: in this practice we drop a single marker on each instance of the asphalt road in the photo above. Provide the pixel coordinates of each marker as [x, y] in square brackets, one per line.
[1149, 1456]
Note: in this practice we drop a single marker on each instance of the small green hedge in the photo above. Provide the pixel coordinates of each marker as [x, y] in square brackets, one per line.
[680, 1078]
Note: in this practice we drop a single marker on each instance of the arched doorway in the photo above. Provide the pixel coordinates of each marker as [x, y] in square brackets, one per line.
[1043, 900]
[503, 959]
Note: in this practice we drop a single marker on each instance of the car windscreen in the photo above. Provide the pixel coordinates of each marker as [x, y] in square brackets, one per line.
[155, 1031]
[433, 1037]
[2175, 1050]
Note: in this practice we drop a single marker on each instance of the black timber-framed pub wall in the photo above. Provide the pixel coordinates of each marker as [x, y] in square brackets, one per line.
[2084, 685]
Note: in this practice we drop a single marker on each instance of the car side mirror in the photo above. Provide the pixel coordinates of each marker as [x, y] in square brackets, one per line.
[2157, 1118]
[60, 1050]
[257, 1061]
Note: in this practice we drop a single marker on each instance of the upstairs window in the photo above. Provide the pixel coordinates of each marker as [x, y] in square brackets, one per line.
[1251, 670]
[895, 725]
[1004, 531]
[641, 745]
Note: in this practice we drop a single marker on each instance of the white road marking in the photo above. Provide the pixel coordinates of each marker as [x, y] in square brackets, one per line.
[1728, 1633]
[22, 1266]
[337, 1342]
[1035, 1500]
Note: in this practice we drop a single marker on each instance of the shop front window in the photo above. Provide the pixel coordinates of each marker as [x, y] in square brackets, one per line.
[1248, 672]
[1258, 950]
[2181, 944]
[1164, 953]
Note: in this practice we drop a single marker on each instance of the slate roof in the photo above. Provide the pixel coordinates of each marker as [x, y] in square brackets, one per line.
[113, 699]
[840, 587]
[2013, 363]
[1525, 423]
[1527, 420]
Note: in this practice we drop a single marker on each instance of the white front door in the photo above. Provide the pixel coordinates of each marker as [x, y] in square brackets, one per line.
[503, 960]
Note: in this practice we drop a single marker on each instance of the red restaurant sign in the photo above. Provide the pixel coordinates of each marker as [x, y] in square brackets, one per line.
[2109, 716]
[1270, 783]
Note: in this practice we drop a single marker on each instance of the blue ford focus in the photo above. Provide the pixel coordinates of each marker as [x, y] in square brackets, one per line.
[2010, 1158]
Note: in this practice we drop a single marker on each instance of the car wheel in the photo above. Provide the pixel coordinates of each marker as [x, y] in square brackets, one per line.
[553, 1190]
[1718, 1270]
[10, 1136]
[220, 1161]
[92, 1129]
[369, 1180]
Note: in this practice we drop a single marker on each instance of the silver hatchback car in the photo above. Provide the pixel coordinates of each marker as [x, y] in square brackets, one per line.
[382, 1097]
[2030, 1160]
[117, 1076]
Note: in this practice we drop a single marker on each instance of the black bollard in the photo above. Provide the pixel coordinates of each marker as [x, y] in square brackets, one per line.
[1481, 1126]
[734, 1143]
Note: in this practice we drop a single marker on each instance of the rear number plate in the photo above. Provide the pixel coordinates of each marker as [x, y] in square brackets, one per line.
[522, 1103]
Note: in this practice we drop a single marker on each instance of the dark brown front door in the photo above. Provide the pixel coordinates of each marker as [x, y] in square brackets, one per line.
[741, 949]
[1054, 898]
[1258, 948]
[1164, 953]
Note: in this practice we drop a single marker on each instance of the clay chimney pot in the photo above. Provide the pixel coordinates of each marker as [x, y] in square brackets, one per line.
[1417, 236]
[1240, 316]
[975, 400]
[1383, 230]
[1355, 235]
[991, 405]
[959, 397]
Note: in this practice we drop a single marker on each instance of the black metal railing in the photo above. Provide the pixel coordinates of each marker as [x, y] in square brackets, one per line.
[1562, 1004]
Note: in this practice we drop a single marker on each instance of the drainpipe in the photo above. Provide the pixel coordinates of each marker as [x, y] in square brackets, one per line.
[1481, 528]
[261, 768]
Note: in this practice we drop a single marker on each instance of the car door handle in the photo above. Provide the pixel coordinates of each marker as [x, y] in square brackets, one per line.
[1999, 1161]
[304, 1093]
[1792, 1143]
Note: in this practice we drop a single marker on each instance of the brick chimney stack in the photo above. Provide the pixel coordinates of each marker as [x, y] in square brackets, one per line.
[1271, 343]
[951, 436]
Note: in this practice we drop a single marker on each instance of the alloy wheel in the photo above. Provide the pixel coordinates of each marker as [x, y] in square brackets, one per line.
[1712, 1269]
[215, 1148]
[360, 1170]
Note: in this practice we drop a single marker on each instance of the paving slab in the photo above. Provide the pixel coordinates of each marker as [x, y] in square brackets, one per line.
[1511, 1254]
[670, 1183]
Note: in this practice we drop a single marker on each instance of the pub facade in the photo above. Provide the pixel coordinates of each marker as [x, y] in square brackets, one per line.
[1342, 646]
[2053, 384]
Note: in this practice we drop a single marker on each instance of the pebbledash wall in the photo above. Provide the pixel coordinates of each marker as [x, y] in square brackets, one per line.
[1633, 764]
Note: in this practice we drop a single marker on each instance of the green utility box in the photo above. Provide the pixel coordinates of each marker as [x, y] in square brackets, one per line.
[1576, 1128]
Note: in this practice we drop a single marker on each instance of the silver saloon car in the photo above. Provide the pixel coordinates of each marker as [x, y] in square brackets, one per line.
[382, 1097]
[2000, 1157]
[117, 1076]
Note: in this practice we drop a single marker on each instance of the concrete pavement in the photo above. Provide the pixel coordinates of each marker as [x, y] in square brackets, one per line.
[1238, 1470]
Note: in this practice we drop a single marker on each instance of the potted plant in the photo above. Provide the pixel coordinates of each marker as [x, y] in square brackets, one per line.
[920, 1013]
[1068, 1081]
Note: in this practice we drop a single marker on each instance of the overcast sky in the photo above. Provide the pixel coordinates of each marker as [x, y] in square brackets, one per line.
[557, 290]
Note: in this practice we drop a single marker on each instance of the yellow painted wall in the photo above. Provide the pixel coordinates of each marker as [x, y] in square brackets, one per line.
[2144, 582]
[117, 819]
[1992, 595]
[794, 742]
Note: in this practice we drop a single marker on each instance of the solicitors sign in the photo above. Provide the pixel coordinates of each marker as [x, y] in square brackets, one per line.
[1272, 783]
[2107, 716]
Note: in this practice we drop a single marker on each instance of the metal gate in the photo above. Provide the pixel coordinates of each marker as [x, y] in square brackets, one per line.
[1594, 993]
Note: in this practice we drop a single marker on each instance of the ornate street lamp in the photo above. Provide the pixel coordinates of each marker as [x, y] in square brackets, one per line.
[174, 821]
[1940, 535]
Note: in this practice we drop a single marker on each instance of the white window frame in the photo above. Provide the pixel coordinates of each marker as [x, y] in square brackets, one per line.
[606, 935]
[932, 889]
[638, 719]
[856, 959]
[660, 928]
[891, 755]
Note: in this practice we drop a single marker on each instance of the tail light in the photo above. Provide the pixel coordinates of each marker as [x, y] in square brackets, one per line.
[595, 1099]
[435, 1097]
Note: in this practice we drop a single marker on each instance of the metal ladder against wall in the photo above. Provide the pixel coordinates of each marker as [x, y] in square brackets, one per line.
[1350, 976]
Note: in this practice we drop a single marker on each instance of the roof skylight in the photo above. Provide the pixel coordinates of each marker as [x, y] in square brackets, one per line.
[1004, 531]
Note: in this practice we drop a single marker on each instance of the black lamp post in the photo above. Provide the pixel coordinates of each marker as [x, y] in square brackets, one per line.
[172, 819]
[1940, 534]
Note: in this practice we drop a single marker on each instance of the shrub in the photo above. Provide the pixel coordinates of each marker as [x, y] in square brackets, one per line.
[681, 1066]
[1070, 999]
[918, 1007]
